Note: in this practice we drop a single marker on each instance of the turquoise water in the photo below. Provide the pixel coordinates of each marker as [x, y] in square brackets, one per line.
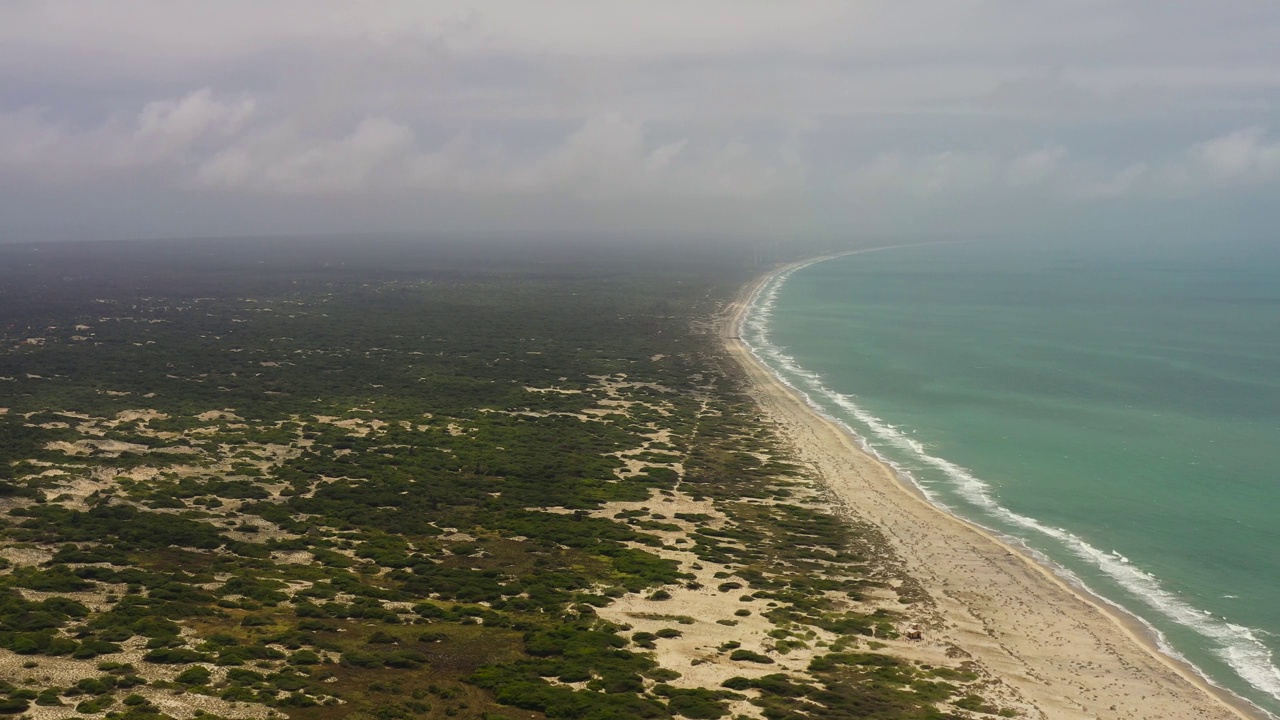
[1118, 412]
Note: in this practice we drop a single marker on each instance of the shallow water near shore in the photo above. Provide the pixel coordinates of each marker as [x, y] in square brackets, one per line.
[1117, 412]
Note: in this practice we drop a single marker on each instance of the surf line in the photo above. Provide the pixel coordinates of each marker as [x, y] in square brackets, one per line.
[1236, 645]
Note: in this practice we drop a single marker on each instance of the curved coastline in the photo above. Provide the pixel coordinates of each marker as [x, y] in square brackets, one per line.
[1163, 686]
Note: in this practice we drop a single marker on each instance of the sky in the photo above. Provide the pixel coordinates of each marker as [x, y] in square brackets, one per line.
[715, 118]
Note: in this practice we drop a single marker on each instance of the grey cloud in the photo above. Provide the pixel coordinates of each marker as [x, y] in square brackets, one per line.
[668, 116]
[1245, 158]
[164, 133]
[204, 141]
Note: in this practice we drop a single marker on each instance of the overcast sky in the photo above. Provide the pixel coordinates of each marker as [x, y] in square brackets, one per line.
[698, 117]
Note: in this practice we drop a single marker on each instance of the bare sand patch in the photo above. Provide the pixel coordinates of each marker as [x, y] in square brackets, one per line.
[26, 556]
[225, 414]
[89, 447]
[127, 416]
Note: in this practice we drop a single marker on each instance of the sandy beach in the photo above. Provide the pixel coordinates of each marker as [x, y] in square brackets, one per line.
[1046, 645]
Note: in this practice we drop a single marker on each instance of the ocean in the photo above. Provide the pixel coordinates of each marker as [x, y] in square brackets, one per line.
[1114, 409]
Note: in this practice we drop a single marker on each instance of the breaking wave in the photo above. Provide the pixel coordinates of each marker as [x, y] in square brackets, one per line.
[1237, 646]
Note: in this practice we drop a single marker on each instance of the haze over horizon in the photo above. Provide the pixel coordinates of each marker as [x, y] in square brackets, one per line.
[820, 119]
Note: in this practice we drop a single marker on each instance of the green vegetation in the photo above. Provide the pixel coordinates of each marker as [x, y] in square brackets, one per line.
[385, 484]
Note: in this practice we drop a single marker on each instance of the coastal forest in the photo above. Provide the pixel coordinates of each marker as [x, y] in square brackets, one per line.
[359, 478]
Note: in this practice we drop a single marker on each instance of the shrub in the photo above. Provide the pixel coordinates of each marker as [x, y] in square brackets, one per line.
[736, 683]
[693, 704]
[749, 656]
[304, 657]
[360, 659]
[239, 676]
[194, 675]
[96, 705]
[174, 656]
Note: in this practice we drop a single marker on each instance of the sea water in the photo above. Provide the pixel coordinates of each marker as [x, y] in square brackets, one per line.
[1115, 410]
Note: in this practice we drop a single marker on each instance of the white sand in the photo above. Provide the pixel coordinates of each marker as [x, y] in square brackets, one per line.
[1061, 652]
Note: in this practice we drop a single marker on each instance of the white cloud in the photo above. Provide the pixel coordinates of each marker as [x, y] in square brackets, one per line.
[1037, 166]
[280, 161]
[1129, 181]
[1245, 156]
[162, 133]
[168, 128]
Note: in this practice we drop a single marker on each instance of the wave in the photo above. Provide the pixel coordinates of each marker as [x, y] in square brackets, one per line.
[1236, 645]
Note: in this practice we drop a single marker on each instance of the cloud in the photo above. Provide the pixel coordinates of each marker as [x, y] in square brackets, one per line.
[1246, 156]
[962, 173]
[606, 156]
[1240, 159]
[610, 155]
[163, 133]
[1243, 158]
[718, 107]
[574, 58]
[168, 128]
[204, 141]
[280, 161]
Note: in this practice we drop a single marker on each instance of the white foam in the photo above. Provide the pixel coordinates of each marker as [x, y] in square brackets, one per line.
[1238, 646]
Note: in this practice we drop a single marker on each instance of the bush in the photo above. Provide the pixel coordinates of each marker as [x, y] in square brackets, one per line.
[749, 656]
[56, 579]
[174, 656]
[700, 705]
[194, 675]
[304, 657]
[736, 683]
[96, 705]
[239, 676]
[360, 660]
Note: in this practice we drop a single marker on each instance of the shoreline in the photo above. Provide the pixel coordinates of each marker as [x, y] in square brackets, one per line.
[1030, 628]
